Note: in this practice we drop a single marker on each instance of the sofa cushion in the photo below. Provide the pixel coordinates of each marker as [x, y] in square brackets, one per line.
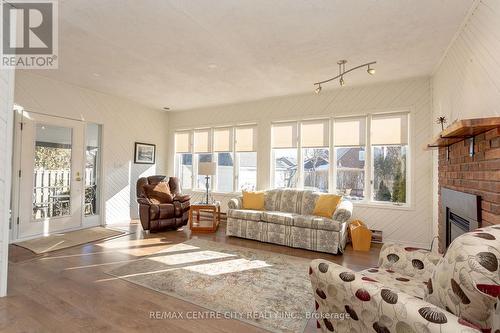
[316, 222]
[245, 214]
[253, 200]
[272, 200]
[278, 217]
[326, 205]
[398, 282]
[467, 280]
[309, 199]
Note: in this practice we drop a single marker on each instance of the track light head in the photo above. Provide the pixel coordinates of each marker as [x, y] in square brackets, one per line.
[341, 81]
[370, 70]
[318, 89]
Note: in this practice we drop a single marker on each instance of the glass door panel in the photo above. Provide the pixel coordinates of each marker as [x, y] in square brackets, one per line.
[51, 175]
[52, 171]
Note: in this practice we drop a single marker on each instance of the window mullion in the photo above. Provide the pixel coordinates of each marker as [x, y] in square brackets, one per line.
[300, 162]
[368, 160]
[332, 183]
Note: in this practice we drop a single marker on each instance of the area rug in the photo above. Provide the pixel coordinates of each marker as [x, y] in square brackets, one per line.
[59, 241]
[265, 289]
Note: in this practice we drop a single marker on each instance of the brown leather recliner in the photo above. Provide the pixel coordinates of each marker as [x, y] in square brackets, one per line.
[172, 213]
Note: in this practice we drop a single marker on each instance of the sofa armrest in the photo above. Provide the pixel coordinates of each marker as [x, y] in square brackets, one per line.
[343, 212]
[410, 261]
[182, 197]
[235, 203]
[143, 201]
[346, 301]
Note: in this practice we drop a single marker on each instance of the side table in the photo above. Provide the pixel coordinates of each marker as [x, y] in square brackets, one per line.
[208, 226]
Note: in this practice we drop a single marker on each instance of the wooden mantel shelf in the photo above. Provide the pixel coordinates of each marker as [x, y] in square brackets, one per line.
[463, 129]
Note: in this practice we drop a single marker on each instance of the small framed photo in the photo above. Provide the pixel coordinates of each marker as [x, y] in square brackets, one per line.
[144, 153]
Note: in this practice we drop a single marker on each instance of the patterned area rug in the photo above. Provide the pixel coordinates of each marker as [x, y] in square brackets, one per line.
[265, 289]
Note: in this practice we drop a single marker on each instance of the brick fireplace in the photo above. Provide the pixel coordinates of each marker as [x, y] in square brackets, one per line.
[478, 174]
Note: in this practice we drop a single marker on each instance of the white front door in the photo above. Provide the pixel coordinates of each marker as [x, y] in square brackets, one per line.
[51, 184]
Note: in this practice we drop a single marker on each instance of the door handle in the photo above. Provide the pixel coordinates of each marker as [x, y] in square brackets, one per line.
[78, 178]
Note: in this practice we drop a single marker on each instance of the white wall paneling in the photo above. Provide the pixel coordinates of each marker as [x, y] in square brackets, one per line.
[411, 226]
[466, 84]
[6, 121]
[123, 123]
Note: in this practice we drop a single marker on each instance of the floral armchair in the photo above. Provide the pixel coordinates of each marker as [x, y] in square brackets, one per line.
[414, 290]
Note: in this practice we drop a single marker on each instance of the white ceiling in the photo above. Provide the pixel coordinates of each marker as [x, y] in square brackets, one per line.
[193, 53]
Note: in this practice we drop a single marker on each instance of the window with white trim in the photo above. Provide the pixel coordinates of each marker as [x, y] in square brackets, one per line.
[314, 139]
[223, 150]
[389, 143]
[349, 140]
[284, 154]
[366, 159]
[232, 148]
[184, 159]
[246, 157]
[202, 153]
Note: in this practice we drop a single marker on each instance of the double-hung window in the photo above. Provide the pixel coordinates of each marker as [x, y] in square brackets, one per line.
[315, 154]
[223, 150]
[301, 154]
[284, 139]
[184, 158]
[349, 139]
[233, 149]
[389, 145]
[246, 157]
[203, 153]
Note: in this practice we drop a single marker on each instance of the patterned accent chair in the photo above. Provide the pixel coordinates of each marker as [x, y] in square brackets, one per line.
[287, 220]
[414, 290]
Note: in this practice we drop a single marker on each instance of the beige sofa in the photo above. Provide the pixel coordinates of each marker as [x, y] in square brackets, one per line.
[288, 220]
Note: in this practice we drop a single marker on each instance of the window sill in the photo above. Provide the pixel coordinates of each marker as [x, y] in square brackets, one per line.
[391, 206]
[225, 194]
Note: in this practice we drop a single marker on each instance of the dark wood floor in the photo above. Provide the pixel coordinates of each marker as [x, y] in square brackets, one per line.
[69, 291]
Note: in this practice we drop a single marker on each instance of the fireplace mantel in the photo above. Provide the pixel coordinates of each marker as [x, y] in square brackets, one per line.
[464, 129]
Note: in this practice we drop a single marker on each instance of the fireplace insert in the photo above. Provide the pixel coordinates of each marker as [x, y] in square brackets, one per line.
[461, 213]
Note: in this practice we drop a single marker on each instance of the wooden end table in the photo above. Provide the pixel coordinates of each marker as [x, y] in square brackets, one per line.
[208, 226]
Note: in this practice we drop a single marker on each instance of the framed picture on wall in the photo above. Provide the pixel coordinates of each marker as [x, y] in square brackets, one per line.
[144, 153]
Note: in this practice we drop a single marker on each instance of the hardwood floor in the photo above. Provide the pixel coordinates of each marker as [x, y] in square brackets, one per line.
[69, 291]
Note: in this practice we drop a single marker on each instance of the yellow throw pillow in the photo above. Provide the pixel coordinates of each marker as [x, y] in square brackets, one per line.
[253, 200]
[326, 205]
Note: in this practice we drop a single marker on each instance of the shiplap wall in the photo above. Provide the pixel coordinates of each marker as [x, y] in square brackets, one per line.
[467, 82]
[413, 226]
[6, 115]
[124, 122]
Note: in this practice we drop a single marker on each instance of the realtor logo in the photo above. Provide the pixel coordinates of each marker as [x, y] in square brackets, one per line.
[29, 32]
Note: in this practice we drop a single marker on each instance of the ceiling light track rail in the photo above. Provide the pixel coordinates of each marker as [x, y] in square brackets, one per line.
[342, 72]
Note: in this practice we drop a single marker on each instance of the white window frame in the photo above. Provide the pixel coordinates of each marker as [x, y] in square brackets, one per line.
[213, 181]
[368, 169]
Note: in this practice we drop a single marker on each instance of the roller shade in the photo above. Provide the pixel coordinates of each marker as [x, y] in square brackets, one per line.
[389, 129]
[223, 139]
[182, 142]
[246, 138]
[349, 132]
[202, 141]
[284, 135]
[314, 133]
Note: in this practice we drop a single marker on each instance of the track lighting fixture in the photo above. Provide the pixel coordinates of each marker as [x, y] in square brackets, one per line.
[370, 70]
[342, 71]
[318, 90]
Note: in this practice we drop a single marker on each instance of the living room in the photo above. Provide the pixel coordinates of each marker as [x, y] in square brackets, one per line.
[250, 166]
